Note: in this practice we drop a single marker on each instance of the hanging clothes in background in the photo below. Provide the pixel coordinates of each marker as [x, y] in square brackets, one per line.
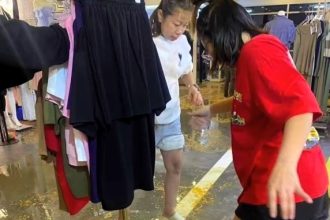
[321, 80]
[312, 58]
[305, 46]
[283, 28]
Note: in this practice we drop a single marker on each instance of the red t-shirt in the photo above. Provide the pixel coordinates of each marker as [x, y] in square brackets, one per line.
[268, 91]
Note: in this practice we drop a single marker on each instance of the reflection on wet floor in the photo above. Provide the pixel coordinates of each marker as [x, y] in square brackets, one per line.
[28, 188]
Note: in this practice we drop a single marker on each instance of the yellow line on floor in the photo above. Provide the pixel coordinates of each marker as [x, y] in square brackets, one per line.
[194, 196]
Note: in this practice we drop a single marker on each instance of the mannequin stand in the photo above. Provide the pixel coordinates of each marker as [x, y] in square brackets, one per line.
[123, 214]
[5, 139]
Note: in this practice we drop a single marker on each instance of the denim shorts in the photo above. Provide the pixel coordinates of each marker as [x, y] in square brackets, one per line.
[169, 136]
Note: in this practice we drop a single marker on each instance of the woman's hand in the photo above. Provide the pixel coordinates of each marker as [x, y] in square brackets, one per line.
[283, 184]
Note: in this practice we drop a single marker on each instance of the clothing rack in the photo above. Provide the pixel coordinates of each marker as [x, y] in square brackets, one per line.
[123, 214]
[317, 74]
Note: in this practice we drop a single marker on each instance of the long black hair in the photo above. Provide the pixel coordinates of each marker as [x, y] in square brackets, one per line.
[168, 7]
[223, 22]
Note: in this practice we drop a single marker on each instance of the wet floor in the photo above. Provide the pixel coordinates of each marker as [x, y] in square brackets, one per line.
[28, 189]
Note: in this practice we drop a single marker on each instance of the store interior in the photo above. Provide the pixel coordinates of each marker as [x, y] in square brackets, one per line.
[29, 188]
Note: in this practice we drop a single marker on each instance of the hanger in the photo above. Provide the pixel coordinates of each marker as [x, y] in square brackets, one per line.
[320, 12]
[309, 16]
[4, 13]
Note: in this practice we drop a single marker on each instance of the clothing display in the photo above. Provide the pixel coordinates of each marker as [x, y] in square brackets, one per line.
[283, 28]
[117, 111]
[270, 85]
[74, 180]
[110, 101]
[310, 57]
[304, 48]
[321, 82]
[73, 204]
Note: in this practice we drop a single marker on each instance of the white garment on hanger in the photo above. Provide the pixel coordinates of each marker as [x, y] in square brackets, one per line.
[11, 107]
[28, 102]
[56, 86]
[79, 142]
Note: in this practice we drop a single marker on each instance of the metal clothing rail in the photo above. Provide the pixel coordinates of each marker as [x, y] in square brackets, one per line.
[290, 12]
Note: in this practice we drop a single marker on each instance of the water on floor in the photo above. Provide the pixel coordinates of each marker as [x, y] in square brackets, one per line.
[28, 189]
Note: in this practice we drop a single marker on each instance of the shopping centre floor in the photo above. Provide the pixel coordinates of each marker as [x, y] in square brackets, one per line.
[208, 190]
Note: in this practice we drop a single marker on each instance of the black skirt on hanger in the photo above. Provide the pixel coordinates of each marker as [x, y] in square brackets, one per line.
[116, 63]
[117, 87]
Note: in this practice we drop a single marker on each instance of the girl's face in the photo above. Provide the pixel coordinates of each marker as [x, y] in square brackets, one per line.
[172, 26]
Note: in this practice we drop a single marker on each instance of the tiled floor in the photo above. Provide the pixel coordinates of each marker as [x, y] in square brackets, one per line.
[28, 190]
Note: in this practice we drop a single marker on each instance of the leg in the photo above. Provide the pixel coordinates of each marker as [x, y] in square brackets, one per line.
[173, 163]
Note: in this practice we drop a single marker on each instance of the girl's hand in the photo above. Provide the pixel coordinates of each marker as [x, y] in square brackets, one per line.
[283, 184]
[201, 118]
[202, 112]
[194, 96]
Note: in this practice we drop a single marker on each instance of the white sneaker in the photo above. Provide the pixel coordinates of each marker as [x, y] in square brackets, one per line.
[16, 121]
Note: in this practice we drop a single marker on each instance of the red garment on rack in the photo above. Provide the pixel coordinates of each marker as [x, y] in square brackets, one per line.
[53, 142]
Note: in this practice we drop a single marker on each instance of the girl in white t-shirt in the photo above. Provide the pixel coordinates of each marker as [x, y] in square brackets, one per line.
[169, 21]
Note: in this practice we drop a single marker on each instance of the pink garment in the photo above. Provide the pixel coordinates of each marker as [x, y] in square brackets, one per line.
[55, 100]
[69, 29]
[33, 83]
[76, 147]
[17, 94]
[77, 142]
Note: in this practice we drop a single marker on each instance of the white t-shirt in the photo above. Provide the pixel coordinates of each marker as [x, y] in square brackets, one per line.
[176, 61]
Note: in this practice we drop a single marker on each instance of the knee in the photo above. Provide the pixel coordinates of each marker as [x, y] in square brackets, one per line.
[174, 167]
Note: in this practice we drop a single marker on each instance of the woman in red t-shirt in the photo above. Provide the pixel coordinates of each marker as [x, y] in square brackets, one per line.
[282, 172]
